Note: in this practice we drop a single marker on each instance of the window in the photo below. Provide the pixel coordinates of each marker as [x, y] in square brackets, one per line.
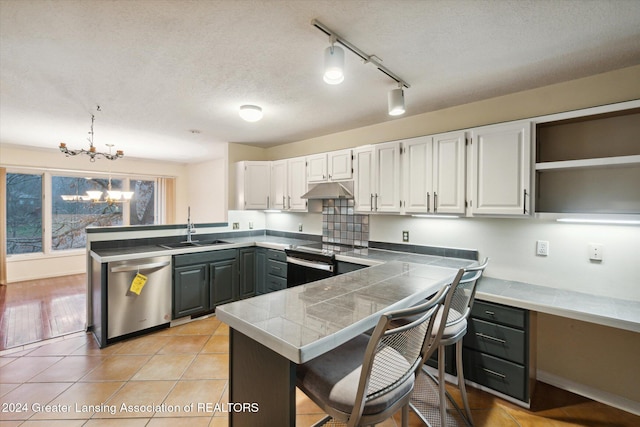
[24, 213]
[71, 215]
[59, 224]
[143, 204]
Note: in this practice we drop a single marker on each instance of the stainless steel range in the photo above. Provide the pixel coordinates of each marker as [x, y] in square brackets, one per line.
[307, 264]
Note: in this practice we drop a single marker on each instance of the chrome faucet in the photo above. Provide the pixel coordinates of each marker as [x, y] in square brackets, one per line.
[191, 228]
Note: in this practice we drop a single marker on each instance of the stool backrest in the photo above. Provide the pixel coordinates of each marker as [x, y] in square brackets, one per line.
[463, 294]
[395, 353]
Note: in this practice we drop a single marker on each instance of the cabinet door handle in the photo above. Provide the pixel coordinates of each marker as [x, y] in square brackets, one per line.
[490, 313]
[289, 202]
[371, 202]
[284, 203]
[376, 201]
[268, 202]
[490, 338]
[435, 202]
[497, 374]
[524, 202]
[428, 201]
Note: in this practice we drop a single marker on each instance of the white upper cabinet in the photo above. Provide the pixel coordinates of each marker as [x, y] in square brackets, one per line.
[279, 184]
[434, 174]
[297, 184]
[377, 178]
[288, 184]
[500, 169]
[253, 181]
[332, 166]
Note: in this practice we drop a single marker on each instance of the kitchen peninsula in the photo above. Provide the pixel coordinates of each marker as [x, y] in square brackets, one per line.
[271, 334]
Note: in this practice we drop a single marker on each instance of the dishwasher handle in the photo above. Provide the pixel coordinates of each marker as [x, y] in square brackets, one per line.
[128, 268]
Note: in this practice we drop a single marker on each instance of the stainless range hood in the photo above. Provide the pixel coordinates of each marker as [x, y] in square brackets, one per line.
[329, 190]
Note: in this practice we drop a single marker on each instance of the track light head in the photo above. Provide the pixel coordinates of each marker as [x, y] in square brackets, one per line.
[333, 65]
[396, 102]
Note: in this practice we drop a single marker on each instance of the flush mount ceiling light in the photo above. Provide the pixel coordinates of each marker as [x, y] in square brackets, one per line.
[334, 66]
[251, 113]
[396, 101]
[91, 152]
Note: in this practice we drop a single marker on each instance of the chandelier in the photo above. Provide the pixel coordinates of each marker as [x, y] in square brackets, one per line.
[97, 196]
[91, 152]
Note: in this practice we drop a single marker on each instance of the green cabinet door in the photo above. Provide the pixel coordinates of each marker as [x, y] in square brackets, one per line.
[223, 281]
[261, 271]
[247, 258]
[190, 290]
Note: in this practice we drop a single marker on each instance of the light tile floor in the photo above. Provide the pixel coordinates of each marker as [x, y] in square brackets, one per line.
[188, 364]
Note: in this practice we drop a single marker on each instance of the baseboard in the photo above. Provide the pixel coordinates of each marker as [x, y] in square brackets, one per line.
[607, 398]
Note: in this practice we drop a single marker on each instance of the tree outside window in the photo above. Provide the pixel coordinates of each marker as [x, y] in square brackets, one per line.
[24, 213]
[71, 217]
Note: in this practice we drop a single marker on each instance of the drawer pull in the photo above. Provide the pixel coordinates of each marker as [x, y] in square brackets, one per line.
[490, 313]
[276, 268]
[489, 337]
[497, 374]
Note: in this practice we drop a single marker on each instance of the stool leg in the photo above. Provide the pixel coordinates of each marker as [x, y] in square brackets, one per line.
[441, 386]
[461, 386]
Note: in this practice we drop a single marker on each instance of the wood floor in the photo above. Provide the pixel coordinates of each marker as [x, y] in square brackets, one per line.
[38, 310]
[185, 364]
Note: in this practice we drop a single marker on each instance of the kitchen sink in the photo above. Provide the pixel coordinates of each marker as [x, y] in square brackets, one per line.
[195, 243]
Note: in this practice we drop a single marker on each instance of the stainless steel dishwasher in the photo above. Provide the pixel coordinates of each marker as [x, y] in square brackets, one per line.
[129, 312]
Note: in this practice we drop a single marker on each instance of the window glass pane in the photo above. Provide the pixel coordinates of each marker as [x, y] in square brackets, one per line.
[72, 213]
[24, 213]
[143, 207]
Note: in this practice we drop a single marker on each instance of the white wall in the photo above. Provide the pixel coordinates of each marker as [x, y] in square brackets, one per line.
[511, 243]
[206, 192]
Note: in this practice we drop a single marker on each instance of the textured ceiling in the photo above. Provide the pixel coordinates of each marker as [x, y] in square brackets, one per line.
[160, 69]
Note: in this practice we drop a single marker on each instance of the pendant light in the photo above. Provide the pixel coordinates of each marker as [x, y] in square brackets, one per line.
[333, 64]
[396, 102]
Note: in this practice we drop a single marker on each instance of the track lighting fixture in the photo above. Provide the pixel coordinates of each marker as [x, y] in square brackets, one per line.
[334, 67]
[396, 101]
[251, 113]
[333, 63]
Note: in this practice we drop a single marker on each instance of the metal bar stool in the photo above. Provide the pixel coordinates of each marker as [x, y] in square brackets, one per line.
[369, 378]
[462, 296]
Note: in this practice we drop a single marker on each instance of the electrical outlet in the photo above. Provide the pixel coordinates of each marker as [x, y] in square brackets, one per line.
[542, 248]
[595, 251]
[236, 225]
[405, 236]
[250, 225]
[300, 227]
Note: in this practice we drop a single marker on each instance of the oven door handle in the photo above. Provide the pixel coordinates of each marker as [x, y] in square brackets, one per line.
[310, 264]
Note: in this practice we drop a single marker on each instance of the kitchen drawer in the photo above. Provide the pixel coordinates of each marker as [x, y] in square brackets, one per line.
[277, 255]
[277, 268]
[509, 316]
[497, 340]
[275, 283]
[203, 257]
[503, 376]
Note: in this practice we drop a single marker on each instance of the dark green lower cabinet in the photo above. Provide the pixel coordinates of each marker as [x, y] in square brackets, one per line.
[223, 280]
[261, 271]
[190, 290]
[247, 261]
[203, 280]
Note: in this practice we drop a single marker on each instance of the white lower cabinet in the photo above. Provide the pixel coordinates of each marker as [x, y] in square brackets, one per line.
[434, 174]
[377, 178]
[500, 169]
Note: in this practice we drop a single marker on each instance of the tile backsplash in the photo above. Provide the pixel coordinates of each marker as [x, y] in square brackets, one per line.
[340, 225]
